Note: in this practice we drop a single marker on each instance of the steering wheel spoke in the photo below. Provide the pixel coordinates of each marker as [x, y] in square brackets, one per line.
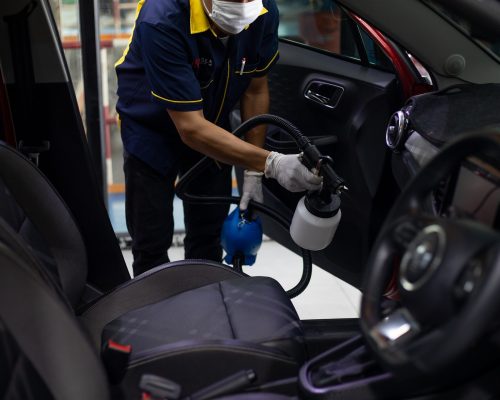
[407, 228]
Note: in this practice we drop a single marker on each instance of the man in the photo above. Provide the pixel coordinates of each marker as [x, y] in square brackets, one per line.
[187, 65]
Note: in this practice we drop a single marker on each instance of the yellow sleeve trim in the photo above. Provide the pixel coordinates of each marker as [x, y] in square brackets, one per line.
[176, 101]
[269, 63]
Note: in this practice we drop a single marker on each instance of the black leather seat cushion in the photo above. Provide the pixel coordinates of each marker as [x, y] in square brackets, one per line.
[250, 310]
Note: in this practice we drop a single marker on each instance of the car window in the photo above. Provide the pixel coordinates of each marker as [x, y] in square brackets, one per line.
[116, 21]
[375, 55]
[323, 25]
[320, 24]
[66, 16]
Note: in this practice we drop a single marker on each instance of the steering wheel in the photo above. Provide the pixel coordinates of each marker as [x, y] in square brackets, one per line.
[448, 272]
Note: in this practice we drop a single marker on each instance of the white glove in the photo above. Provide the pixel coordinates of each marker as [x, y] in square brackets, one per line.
[290, 173]
[252, 188]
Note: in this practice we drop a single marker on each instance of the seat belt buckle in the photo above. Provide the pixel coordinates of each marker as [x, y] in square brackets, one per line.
[115, 357]
[33, 151]
[155, 387]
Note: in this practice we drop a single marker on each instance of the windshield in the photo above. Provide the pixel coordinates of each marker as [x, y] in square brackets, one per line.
[492, 47]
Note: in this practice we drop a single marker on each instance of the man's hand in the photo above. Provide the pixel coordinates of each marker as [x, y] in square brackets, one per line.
[252, 188]
[290, 173]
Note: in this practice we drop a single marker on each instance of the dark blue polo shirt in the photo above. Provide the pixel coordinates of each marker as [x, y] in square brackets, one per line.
[174, 61]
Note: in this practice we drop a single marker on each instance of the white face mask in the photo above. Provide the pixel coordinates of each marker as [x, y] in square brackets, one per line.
[233, 17]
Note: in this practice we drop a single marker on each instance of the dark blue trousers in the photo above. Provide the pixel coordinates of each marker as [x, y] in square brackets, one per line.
[149, 211]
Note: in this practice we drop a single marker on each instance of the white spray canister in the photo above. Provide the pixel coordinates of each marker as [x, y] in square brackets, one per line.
[315, 221]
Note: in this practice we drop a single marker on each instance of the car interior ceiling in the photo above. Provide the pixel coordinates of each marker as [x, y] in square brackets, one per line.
[201, 330]
[484, 17]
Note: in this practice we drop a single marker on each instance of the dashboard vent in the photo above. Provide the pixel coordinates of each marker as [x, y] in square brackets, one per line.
[396, 130]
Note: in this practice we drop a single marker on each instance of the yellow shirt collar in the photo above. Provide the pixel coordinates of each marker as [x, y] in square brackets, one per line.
[199, 21]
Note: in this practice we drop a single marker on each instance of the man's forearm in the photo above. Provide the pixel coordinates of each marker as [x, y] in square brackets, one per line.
[255, 102]
[213, 141]
[217, 143]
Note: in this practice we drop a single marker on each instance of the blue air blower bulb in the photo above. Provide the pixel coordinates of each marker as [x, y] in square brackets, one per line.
[241, 237]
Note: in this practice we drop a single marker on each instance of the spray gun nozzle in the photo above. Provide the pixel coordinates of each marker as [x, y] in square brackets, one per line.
[334, 182]
[342, 189]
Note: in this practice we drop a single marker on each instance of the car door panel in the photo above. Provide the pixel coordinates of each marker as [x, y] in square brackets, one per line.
[351, 131]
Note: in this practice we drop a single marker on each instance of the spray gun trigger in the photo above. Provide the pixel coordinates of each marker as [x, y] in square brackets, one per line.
[322, 160]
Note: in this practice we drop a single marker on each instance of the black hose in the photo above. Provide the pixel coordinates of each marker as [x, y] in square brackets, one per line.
[301, 140]
[200, 166]
[311, 156]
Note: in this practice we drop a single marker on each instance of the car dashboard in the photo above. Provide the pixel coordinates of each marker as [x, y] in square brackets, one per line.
[417, 132]
[472, 192]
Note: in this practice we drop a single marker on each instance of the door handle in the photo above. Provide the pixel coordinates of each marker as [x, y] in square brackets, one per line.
[318, 98]
[324, 93]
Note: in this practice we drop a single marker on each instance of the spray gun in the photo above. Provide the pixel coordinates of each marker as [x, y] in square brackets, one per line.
[316, 217]
[318, 213]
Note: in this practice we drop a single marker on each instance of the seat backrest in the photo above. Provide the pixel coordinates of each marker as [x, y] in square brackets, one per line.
[44, 354]
[18, 379]
[32, 207]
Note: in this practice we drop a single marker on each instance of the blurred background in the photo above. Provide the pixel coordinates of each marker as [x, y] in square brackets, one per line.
[312, 22]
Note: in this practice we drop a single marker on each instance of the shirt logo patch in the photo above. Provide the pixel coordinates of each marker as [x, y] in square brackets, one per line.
[206, 61]
[202, 62]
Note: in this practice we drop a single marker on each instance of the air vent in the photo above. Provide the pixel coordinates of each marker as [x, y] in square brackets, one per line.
[396, 130]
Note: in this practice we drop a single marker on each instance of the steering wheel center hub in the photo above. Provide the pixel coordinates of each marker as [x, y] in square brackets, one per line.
[422, 258]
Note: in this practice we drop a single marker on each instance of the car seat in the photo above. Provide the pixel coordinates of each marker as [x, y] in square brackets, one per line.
[193, 321]
[44, 352]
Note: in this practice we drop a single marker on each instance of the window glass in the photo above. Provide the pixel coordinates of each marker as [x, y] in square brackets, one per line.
[376, 56]
[66, 15]
[322, 24]
[317, 23]
[116, 20]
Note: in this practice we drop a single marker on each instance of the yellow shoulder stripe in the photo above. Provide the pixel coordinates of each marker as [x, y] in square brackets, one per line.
[137, 11]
